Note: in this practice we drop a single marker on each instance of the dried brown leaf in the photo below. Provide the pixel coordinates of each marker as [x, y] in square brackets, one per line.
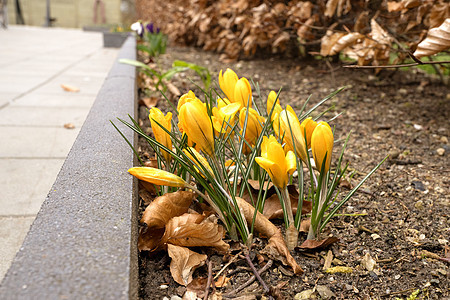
[149, 102]
[393, 6]
[184, 262]
[273, 210]
[276, 247]
[315, 245]
[69, 126]
[328, 42]
[70, 88]
[304, 225]
[331, 8]
[194, 230]
[173, 89]
[157, 215]
[438, 13]
[165, 207]
[379, 34]
[345, 41]
[437, 40]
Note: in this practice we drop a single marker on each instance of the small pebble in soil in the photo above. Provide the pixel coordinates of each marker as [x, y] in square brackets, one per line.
[419, 205]
[375, 236]
[396, 277]
[440, 151]
[418, 185]
[163, 286]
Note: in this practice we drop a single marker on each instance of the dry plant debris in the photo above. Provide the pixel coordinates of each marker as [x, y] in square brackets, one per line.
[367, 31]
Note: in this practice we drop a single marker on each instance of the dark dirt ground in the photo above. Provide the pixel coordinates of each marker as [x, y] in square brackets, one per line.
[407, 202]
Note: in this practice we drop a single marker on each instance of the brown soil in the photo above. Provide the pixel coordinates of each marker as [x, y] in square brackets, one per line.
[406, 202]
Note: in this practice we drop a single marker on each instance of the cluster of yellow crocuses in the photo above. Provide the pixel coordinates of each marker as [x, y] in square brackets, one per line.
[202, 127]
[284, 140]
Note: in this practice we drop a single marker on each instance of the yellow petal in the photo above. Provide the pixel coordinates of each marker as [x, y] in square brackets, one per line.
[308, 125]
[290, 129]
[197, 125]
[157, 176]
[189, 96]
[291, 162]
[243, 93]
[227, 83]
[157, 122]
[322, 143]
[199, 160]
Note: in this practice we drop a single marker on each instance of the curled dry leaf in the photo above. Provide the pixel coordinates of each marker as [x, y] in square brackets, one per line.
[345, 41]
[69, 126]
[158, 213]
[273, 209]
[165, 207]
[70, 88]
[379, 34]
[315, 245]
[276, 247]
[184, 262]
[194, 230]
[149, 102]
[331, 8]
[437, 40]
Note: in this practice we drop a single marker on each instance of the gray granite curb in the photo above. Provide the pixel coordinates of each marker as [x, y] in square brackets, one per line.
[83, 243]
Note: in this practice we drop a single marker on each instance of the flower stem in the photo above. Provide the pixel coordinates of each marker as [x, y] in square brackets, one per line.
[291, 231]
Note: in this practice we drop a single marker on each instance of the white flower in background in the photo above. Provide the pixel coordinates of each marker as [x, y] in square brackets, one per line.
[137, 26]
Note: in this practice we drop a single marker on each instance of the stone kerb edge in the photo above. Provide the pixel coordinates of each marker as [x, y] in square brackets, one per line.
[83, 243]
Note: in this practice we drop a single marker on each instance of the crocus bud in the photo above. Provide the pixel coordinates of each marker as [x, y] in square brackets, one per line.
[196, 123]
[227, 81]
[322, 144]
[158, 121]
[157, 176]
[243, 92]
[308, 125]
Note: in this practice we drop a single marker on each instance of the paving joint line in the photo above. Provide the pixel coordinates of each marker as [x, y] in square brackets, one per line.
[50, 78]
[19, 216]
[32, 157]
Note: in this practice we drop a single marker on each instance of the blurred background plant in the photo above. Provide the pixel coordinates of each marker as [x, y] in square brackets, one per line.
[366, 32]
[152, 43]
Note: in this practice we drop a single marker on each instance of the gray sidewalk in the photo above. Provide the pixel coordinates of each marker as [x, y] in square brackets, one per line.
[34, 62]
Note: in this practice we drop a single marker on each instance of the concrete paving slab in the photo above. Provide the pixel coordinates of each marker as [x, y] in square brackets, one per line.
[34, 62]
[42, 116]
[55, 100]
[12, 232]
[40, 142]
[33, 181]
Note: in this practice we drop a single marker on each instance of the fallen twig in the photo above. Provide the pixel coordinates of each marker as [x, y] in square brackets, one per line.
[252, 266]
[398, 66]
[226, 266]
[248, 282]
[208, 283]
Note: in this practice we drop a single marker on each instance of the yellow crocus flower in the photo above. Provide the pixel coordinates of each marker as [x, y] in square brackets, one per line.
[287, 125]
[188, 97]
[227, 81]
[196, 123]
[271, 101]
[322, 143]
[243, 93]
[278, 164]
[198, 160]
[157, 176]
[224, 117]
[255, 124]
[308, 125]
[158, 121]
